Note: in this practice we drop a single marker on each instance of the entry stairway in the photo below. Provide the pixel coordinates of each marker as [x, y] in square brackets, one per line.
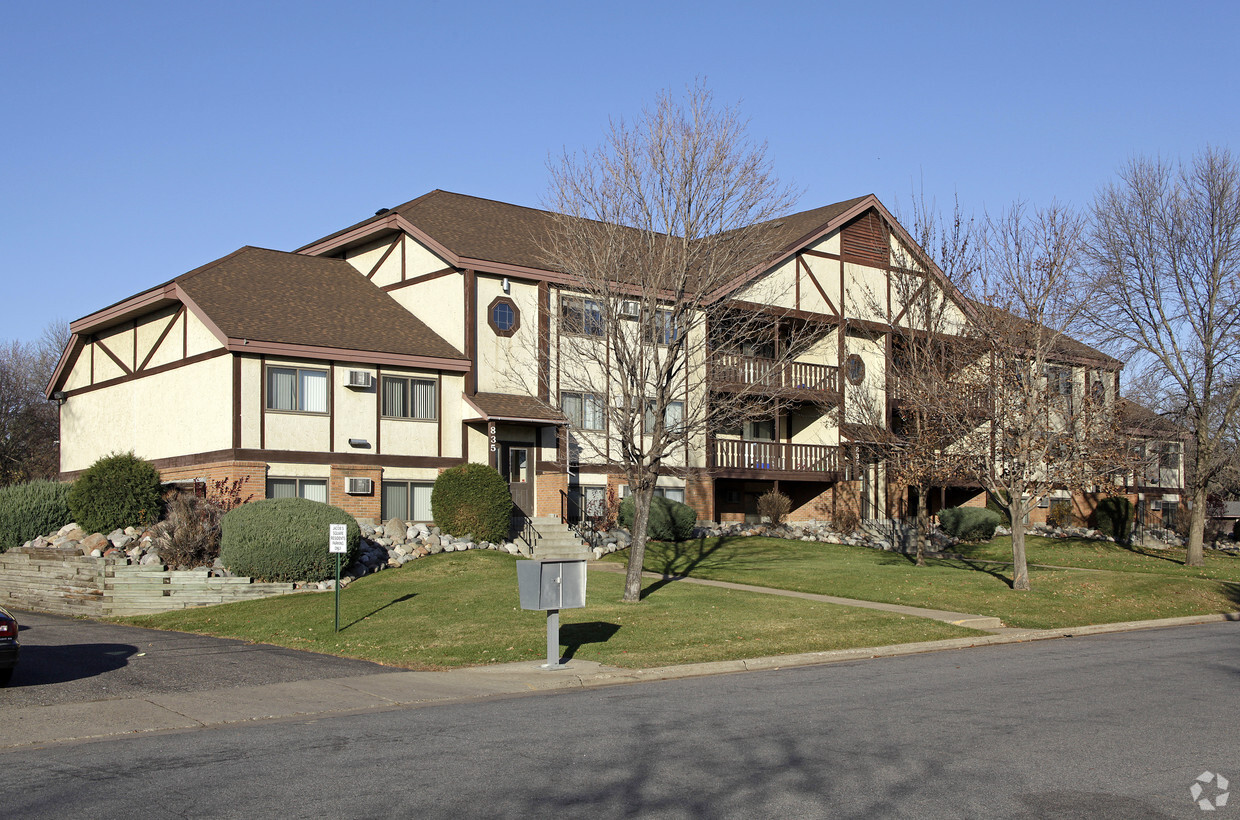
[551, 539]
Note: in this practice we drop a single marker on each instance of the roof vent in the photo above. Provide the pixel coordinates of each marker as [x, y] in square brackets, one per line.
[382, 211]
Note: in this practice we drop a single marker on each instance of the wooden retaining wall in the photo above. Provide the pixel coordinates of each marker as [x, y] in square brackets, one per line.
[50, 580]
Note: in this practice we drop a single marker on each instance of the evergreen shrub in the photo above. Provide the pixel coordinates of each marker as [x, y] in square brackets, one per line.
[119, 490]
[472, 499]
[30, 510]
[969, 523]
[284, 539]
[1114, 516]
[669, 520]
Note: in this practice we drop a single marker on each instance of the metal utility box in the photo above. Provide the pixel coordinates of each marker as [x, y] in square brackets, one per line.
[552, 584]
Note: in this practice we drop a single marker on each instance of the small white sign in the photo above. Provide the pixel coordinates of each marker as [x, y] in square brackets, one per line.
[337, 542]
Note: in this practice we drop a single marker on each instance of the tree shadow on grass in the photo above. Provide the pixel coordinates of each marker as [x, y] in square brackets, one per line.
[1232, 592]
[377, 610]
[681, 559]
[573, 636]
[962, 563]
[1137, 549]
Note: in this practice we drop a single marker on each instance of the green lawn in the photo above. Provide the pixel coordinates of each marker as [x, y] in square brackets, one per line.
[461, 609]
[1077, 552]
[1131, 585]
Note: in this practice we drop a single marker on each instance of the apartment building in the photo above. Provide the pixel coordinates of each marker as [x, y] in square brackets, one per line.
[356, 368]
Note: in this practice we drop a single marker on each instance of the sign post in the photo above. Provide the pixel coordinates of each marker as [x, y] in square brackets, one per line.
[337, 543]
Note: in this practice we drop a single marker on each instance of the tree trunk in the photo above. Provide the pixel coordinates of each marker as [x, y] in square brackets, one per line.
[637, 547]
[1020, 567]
[1195, 555]
[923, 524]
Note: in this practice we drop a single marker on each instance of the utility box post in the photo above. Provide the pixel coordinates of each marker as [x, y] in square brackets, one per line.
[552, 585]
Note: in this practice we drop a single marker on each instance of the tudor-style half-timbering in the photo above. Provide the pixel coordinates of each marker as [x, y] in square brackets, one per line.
[434, 333]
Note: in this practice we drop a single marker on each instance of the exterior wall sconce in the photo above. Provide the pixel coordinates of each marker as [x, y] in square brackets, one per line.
[506, 285]
[59, 397]
[359, 442]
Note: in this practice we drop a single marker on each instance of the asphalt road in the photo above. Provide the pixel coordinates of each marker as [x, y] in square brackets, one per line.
[67, 660]
[1109, 726]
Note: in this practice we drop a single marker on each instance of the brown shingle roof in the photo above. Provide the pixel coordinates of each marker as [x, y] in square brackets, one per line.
[289, 298]
[501, 406]
[499, 232]
[1063, 345]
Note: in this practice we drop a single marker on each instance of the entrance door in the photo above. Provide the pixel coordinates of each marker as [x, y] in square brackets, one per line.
[518, 469]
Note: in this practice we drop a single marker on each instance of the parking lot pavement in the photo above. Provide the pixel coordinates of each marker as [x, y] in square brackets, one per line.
[68, 660]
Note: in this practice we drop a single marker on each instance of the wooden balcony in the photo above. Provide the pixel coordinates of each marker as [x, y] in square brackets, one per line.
[732, 458]
[735, 371]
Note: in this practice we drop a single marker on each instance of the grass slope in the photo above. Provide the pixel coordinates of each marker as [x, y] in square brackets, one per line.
[1125, 584]
[461, 609]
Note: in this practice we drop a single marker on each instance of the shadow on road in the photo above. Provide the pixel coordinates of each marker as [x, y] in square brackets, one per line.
[58, 664]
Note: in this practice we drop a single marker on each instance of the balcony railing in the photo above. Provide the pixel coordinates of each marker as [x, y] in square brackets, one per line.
[736, 369]
[775, 456]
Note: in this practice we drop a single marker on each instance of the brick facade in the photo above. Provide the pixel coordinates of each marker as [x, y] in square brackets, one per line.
[548, 490]
[362, 507]
[700, 495]
[252, 474]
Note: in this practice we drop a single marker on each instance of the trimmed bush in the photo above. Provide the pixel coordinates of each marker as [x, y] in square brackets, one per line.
[30, 510]
[120, 490]
[472, 499]
[1114, 516]
[969, 523]
[774, 506]
[284, 539]
[669, 520]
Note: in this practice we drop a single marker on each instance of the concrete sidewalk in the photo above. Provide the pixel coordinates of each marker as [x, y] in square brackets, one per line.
[67, 722]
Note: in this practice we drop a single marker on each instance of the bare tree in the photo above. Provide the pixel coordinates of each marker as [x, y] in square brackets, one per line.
[935, 400]
[29, 424]
[655, 225]
[1052, 425]
[1164, 249]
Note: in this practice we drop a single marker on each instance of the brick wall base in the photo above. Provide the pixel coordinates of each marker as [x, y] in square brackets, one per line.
[365, 508]
[547, 490]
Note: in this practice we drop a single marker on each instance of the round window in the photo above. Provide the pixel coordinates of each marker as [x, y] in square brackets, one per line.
[854, 369]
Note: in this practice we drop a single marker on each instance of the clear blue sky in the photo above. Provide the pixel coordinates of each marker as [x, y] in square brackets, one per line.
[142, 139]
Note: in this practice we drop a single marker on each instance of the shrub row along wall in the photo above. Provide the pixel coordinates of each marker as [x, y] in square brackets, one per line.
[48, 580]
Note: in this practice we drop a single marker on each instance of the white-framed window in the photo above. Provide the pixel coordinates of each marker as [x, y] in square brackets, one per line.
[581, 316]
[588, 501]
[673, 416]
[583, 410]
[314, 489]
[670, 493]
[296, 389]
[406, 500]
[409, 398]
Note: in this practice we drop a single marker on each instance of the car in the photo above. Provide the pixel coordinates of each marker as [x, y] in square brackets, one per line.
[10, 646]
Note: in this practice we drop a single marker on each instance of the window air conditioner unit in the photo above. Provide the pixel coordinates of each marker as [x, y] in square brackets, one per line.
[359, 486]
[359, 378]
[630, 309]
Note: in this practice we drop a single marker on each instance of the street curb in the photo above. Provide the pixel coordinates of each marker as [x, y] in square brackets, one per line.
[611, 676]
[97, 720]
